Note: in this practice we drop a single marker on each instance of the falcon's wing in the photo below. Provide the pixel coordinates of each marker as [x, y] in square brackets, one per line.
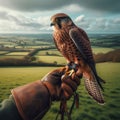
[82, 43]
[81, 40]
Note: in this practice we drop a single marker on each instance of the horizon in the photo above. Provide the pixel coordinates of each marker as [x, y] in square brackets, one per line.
[51, 33]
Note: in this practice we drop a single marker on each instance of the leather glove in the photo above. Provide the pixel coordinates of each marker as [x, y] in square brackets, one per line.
[34, 99]
[55, 81]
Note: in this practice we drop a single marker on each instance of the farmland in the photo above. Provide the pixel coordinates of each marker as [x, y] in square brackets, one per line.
[37, 51]
[17, 50]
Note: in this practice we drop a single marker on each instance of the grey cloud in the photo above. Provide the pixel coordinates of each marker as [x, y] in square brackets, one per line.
[117, 21]
[31, 24]
[39, 5]
[4, 15]
[34, 5]
[84, 23]
[99, 24]
[19, 20]
[26, 22]
[101, 5]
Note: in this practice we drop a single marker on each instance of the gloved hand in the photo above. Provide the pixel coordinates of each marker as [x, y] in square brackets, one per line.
[55, 82]
[34, 99]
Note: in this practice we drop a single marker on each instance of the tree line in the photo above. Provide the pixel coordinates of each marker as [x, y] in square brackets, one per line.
[112, 56]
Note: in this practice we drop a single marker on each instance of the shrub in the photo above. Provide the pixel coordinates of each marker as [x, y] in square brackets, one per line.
[113, 56]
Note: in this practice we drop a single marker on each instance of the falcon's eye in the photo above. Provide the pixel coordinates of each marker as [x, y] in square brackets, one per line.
[52, 24]
[64, 20]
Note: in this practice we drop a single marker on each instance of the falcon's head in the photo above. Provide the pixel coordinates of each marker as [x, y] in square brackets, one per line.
[61, 20]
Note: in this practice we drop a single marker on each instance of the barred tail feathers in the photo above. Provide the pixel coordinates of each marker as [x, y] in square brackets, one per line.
[93, 87]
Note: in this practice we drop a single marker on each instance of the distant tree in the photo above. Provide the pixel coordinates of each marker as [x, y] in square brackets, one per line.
[116, 59]
[113, 56]
[55, 62]
[47, 53]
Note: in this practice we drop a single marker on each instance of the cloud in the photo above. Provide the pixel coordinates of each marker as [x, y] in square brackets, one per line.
[21, 23]
[34, 5]
[40, 5]
[44, 20]
[19, 19]
[3, 15]
[117, 21]
[34, 15]
[100, 24]
[80, 18]
[15, 22]
[73, 8]
[83, 21]
[101, 5]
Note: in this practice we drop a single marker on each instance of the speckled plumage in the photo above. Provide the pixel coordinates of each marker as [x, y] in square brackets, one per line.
[67, 47]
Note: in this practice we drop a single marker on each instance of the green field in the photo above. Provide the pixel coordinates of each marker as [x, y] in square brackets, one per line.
[52, 59]
[97, 50]
[53, 55]
[18, 53]
[50, 52]
[11, 56]
[3, 52]
[89, 109]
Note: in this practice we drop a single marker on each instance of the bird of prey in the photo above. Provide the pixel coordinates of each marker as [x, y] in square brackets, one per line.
[74, 45]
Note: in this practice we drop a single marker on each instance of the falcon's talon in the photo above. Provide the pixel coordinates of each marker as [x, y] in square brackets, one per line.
[71, 72]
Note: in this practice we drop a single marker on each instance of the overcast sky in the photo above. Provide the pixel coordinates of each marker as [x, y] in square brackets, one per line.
[33, 16]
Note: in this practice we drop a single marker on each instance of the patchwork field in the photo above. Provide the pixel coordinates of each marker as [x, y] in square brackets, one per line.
[89, 109]
[53, 55]
[97, 50]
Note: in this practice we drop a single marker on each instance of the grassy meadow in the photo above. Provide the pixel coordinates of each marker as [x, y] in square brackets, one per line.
[12, 77]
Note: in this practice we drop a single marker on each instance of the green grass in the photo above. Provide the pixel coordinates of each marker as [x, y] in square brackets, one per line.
[3, 52]
[50, 56]
[89, 109]
[15, 76]
[97, 50]
[52, 59]
[18, 53]
[51, 52]
[11, 56]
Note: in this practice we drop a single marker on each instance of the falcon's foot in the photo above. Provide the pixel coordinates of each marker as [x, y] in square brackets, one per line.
[70, 69]
[70, 72]
[71, 66]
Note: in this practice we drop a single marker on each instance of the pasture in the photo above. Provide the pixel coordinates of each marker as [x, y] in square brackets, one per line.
[12, 77]
[53, 55]
[97, 50]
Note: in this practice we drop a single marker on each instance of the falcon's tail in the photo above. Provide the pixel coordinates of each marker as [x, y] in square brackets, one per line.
[93, 87]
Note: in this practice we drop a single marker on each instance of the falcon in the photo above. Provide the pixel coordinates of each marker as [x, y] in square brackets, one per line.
[74, 44]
